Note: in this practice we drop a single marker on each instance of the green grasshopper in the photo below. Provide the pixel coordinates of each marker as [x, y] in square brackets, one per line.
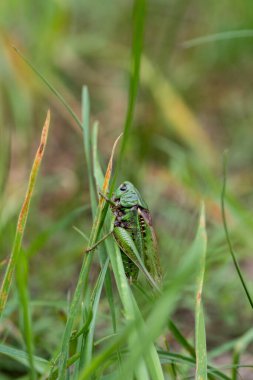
[134, 233]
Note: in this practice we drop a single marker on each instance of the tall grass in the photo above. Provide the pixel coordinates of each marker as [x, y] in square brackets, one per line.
[131, 338]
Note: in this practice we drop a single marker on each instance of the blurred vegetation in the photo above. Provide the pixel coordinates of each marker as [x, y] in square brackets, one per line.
[195, 100]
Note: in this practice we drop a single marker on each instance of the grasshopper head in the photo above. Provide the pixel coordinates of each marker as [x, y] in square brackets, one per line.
[128, 196]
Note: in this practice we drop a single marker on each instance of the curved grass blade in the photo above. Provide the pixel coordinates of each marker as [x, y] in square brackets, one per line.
[51, 88]
[40, 364]
[171, 357]
[231, 250]
[180, 338]
[228, 35]
[6, 284]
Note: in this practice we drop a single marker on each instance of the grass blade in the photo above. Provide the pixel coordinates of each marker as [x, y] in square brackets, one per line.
[6, 284]
[130, 334]
[86, 353]
[143, 340]
[22, 284]
[20, 356]
[98, 175]
[227, 35]
[180, 338]
[83, 277]
[171, 357]
[137, 42]
[97, 171]
[154, 323]
[200, 334]
[87, 145]
[231, 250]
[102, 206]
[51, 88]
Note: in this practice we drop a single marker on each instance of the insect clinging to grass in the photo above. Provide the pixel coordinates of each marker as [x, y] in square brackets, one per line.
[133, 231]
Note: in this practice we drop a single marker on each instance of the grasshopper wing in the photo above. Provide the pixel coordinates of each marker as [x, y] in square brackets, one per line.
[128, 247]
[151, 256]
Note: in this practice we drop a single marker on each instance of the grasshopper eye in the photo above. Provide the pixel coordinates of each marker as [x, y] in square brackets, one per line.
[123, 187]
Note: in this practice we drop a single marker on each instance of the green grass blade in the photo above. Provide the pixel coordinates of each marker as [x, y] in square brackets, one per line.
[235, 365]
[83, 277]
[74, 308]
[6, 284]
[132, 312]
[86, 352]
[40, 364]
[22, 285]
[171, 357]
[87, 145]
[227, 35]
[135, 322]
[154, 324]
[98, 175]
[97, 170]
[239, 347]
[200, 334]
[51, 88]
[100, 215]
[231, 250]
[139, 10]
[5, 159]
[180, 338]
[84, 236]
[104, 356]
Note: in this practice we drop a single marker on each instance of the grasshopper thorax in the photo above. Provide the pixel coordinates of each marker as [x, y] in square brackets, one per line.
[127, 196]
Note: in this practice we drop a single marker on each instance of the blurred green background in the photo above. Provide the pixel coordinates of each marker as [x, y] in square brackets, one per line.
[195, 100]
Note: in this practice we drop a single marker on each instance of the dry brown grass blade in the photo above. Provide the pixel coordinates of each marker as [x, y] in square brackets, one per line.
[6, 284]
[108, 172]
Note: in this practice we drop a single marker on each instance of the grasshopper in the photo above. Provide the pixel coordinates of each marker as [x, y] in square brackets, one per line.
[134, 233]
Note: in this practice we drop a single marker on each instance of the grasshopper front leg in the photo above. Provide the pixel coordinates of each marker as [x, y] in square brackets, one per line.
[98, 242]
[107, 199]
[89, 249]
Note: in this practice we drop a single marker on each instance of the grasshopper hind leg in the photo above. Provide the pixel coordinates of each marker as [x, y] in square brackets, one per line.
[130, 268]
